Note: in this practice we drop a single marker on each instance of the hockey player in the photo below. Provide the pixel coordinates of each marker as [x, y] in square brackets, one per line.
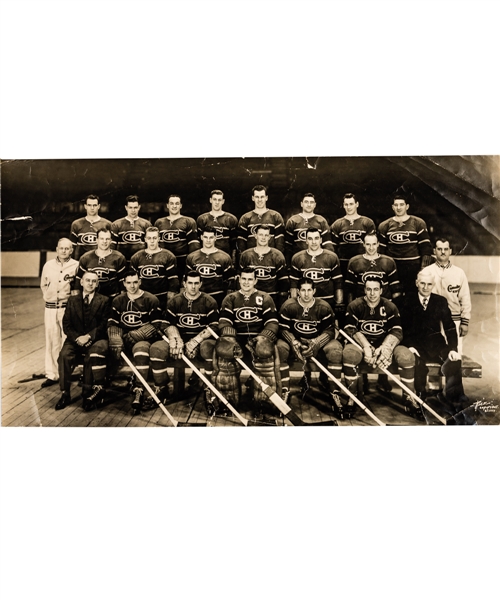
[322, 267]
[451, 282]
[134, 324]
[268, 265]
[307, 329]
[57, 282]
[109, 265]
[296, 228]
[248, 323]
[157, 268]
[372, 264]
[84, 231]
[258, 216]
[129, 232]
[405, 238]
[223, 223]
[84, 324]
[348, 231]
[188, 315]
[375, 324]
[177, 232]
[214, 266]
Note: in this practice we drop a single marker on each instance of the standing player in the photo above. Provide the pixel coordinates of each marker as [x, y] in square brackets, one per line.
[214, 266]
[308, 329]
[109, 265]
[133, 325]
[348, 231]
[56, 283]
[129, 232]
[372, 264]
[84, 231]
[405, 238]
[157, 268]
[297, 225]
[258, 216]
[268, 265]
[177, 232]
[451, 282]
[223, 223]
[375, 324]
[322, 267]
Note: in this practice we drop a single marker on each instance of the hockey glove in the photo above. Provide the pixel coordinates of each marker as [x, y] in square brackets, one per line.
[191, 347]
[176, 345]
[383, 354]
[144, 333]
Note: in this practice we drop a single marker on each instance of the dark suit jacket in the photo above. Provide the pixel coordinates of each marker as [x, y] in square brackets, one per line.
[73, 321]
[422, 328]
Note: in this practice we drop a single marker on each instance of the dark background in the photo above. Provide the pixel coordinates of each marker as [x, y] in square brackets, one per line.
[52, 192]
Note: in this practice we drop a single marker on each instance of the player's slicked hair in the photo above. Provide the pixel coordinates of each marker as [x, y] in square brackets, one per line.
[106, 229]
[259, 188]
[248, 270]
[174, 196]
[213, 192]
[349, 196]
[152, 230]
[191, 273]
[313, 230]
[400, 196]
[130, 273]
[263, 226]
[306, 281]
[132, 198]
[365, 235]
[443, 240]
[308, 195]
[208, 229]
[92, 197]
[374, 280]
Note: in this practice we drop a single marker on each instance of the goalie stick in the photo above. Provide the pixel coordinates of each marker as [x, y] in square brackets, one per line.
[280, 404]
[397, 381]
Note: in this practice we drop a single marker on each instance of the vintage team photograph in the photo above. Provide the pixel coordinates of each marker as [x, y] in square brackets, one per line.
[236, 292]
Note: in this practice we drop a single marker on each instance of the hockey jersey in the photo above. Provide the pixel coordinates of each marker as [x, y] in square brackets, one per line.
[131, 314]
[374, 323]
[408, 240]
[270, 269]
[323, 269]
[249, 315]
[225, 227]
[109, 270]
[192, 316]
[382, 268]
[215, 269]
[179, 236]
[157, 272]
[347, 235]
[307, 323]
[296, 229]
[83, 235]
[247, 229]
[128, 236]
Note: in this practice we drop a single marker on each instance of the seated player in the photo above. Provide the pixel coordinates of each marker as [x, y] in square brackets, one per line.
[157, 268]
[249, 327]
[188, 316]
[214, 266]
[133, 325]
[307, 328]
[374, 323]
[84, 324]
[426, 316]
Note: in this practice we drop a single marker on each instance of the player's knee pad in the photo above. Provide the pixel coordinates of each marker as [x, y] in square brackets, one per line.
[140, 351]
[99, 347]
[283, 350]
[333, 352]
[207, 349]
[158, 350]
[404, 358]
[351, 355]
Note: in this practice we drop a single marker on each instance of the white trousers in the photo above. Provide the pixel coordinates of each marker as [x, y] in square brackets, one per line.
[54, 339]
[460, 339]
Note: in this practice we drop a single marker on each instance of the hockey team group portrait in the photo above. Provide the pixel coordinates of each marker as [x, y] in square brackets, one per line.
[236, 292]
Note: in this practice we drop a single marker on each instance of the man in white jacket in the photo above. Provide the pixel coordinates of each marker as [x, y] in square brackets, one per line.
[451, 282]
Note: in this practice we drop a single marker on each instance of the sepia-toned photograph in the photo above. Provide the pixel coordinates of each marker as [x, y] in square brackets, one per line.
[316, 291]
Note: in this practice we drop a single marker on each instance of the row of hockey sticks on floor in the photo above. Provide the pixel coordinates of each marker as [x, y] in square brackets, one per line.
[397, 380]
[273, 396]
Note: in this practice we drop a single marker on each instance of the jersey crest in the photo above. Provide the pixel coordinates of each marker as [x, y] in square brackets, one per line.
[101, 272]
[263, 272]
[399, 237]
[207, 270]
[132, 237]
[172, 235]
[352, 237]
[131, 318]
[148, 271]
[305, 327]
[190, 321]
[248, 314]
[89, 238]
[372, 327]
[315, 274]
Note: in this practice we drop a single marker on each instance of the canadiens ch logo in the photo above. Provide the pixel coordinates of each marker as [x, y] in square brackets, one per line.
[306, 327]
[171, 235]
[219, 232]
[132, 237]
[262, 272]
[399, 237]
[89, 238]
[189, 321]
[207, 270]
[101, 272]
[301, 235]
[314, 274]
[131, 319]
[373, 274]
[149, 272]
[352, 237]
[372, 327]
[247, 314]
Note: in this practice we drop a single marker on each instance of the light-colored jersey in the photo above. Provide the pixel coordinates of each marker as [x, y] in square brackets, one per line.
[451, 282]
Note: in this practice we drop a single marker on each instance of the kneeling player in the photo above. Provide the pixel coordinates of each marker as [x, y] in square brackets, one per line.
[248, 320]
[307, 329]
[133, 326]
[188, 316]
[375, 324]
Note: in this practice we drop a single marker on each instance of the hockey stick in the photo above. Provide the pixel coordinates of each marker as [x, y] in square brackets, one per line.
[397, 381]
[211, 386]
[280, 404]
[350, 394]
[148, 388]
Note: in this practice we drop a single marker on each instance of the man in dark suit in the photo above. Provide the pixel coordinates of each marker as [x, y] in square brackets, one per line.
[84, 324]
[430, 333]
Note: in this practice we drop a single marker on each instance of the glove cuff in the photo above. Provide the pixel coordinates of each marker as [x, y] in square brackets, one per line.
[228, 331]
[269, 334]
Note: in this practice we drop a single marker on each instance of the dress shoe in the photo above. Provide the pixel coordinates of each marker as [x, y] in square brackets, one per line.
[48, 382]
[64, 401]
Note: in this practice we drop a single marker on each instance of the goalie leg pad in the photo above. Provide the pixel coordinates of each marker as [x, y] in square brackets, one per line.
[226, 378]
[265, 369]
[158, 354]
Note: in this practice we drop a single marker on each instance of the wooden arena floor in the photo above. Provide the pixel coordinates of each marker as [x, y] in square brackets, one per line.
[26, 404]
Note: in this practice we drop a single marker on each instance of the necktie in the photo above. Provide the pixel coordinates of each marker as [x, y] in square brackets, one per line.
[425, 301]
[86, 300]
